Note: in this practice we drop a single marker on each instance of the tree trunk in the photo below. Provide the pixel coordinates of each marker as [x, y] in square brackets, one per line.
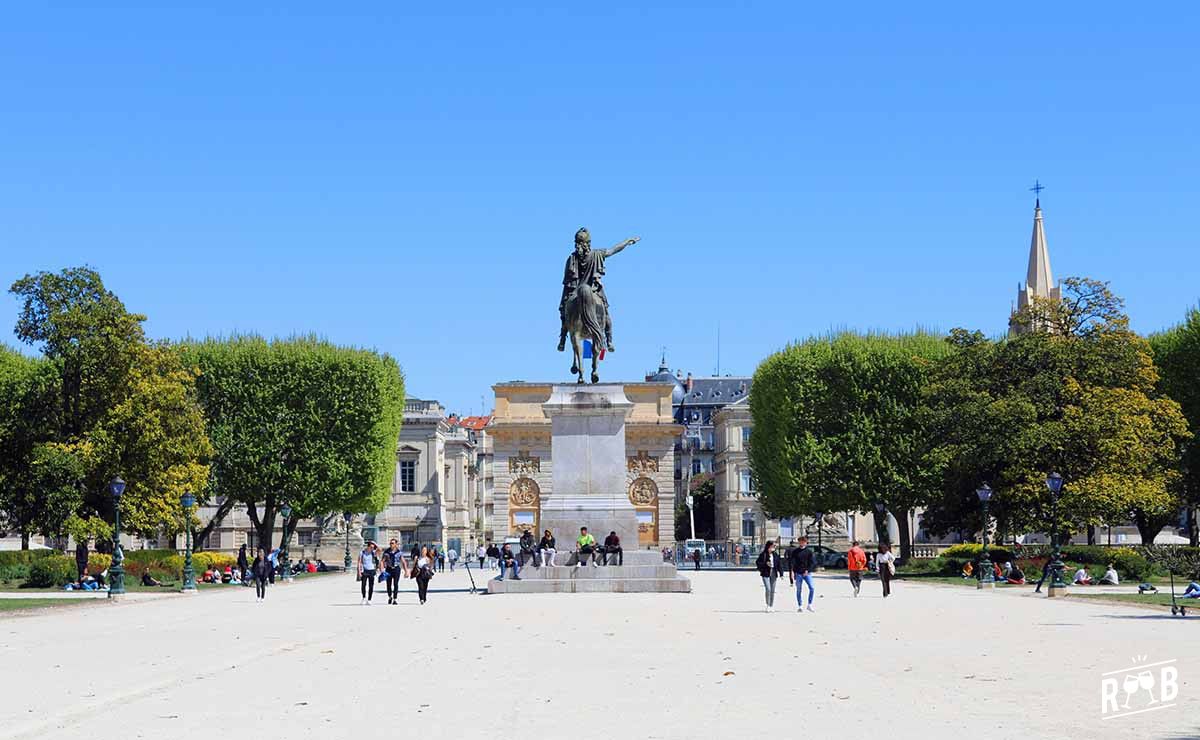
[263, 526]
[1091, 534]
[201, 538]
[1146, 529]
[1193, 527]
[905, 533]
[881, 533]
[286, 528]
[24, 540]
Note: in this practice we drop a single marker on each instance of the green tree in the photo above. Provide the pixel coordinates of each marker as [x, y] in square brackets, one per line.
[703, 491]
[1177, 355]
[299, 421]
[123, 406]
[1076, 393]
[838, 426]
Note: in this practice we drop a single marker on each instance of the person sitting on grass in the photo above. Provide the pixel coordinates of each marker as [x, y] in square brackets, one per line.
[310, 566]
[235, 577]
[968, 570]
[87, 582]
[1192, 591]
[1000, 574]
[227, 575]
[1082, 578]
[1110, 577]
[149, 580]
[1015, 575]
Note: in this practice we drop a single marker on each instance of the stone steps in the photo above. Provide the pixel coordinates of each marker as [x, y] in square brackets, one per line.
[601, 572]
[677, 584]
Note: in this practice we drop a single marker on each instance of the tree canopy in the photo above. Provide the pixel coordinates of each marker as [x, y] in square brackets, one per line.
[299, 421]
[1177, 354]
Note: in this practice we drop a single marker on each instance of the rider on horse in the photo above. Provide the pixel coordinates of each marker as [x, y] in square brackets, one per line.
[585, 266]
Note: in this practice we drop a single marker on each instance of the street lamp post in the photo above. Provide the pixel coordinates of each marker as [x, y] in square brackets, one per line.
[187, 501]
[1055, 483]
[346, 517]
[820, 516]
[985, 574]
[117, 570]
[286, 512]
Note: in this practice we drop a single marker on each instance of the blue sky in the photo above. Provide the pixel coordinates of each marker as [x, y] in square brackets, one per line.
[410, 180]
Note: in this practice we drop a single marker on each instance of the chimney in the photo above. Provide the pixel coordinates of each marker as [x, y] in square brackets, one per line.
[687, 384]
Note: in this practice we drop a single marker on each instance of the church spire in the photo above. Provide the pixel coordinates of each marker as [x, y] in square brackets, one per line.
[1038, 277]
[1039, 280]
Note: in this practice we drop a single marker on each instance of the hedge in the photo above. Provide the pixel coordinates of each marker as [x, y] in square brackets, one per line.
[51, 572]
[23, 557]
[969, 551]
[98, 562]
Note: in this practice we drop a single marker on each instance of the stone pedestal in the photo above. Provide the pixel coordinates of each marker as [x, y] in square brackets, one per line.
[587, 447]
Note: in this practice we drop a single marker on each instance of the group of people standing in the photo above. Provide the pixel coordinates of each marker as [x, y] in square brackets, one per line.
[802, 563]
[390, 565]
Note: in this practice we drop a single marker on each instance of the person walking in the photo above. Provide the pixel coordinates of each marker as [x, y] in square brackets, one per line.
[441, 559]
[885, 565]
[696, 558]
[368, 565]
[1045, 574]
[395, 567]
[856, 563]
[801, 565]
[423, 572]
[770, 569]
[261, 570]
[547, 550]
[243, 562]
[452, 556]
[481, 553]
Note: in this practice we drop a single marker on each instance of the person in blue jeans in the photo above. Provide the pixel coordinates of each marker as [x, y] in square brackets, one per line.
[802, 563]
[509, 559]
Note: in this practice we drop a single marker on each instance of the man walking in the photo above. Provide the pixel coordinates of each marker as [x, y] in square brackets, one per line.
[395, 566]
[452, 556]
[856, 563]
[801, 565]
[81, 559]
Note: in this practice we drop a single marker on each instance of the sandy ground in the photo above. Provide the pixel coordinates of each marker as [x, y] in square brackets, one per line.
[929, 662]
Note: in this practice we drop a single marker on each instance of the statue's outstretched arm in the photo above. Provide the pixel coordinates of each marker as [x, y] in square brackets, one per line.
[628, 242]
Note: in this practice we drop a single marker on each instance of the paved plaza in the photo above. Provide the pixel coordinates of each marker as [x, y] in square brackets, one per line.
[311, 662]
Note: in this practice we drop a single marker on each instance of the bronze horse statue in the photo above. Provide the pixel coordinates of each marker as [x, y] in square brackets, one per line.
[584, 306]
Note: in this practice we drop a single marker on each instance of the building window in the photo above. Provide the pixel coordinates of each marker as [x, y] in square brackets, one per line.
[748, 524]
[214, 541]
[747, 485]
[787, 529]
[697, 466]
[745, 436]
[408, 476]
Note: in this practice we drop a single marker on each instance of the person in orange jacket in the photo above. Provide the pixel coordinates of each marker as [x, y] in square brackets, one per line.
[856, 563]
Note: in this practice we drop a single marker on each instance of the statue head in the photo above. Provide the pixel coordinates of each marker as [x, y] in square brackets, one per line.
[583, 241]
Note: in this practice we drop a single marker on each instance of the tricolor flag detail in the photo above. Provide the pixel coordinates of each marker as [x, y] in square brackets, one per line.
[587, 350]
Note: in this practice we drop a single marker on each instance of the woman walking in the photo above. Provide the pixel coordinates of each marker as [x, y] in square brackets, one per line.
[261, 570]
[770, 569]
[423, 572]
[368, 564]
[885, 565]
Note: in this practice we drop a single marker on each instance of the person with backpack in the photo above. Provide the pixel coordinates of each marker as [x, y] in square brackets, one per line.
[885, 565]
[770, 569]
[856, 564]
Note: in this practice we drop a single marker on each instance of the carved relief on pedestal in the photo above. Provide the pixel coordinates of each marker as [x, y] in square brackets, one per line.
[643, 464]
[523, 492]
[643, 492]
[524, 464]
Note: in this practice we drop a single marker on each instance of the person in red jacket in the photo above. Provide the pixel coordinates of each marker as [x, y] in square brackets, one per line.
[856, 563]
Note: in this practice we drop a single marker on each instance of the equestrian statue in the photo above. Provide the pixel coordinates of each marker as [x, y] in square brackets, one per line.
[583, 308]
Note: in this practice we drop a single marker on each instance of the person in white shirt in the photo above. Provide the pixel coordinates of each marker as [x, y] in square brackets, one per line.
[481, 553]
[1082, 578]
[885, 567]
[1110, 577]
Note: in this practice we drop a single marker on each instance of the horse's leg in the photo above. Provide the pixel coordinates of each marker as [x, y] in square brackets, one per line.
[595, 373]
[577, 368]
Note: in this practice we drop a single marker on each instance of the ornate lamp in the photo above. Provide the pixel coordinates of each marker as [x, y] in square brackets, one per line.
[346, 517]
[985, 574]
[285, 510]
[187, 501]
[116, 489]
[1054, 482]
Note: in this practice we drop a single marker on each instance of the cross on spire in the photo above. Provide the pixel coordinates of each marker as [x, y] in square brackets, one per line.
[1037, 188]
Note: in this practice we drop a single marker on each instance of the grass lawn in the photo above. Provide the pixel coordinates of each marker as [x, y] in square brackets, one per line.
[134, 584]
[1158, 601]
[12, 605]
